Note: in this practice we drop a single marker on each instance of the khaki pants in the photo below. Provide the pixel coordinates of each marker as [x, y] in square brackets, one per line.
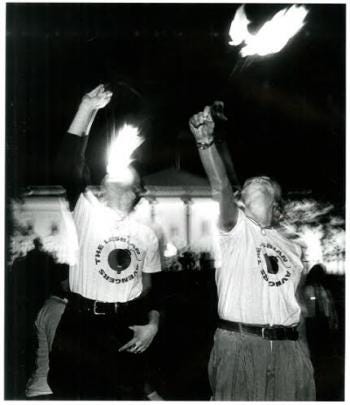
[246, 367]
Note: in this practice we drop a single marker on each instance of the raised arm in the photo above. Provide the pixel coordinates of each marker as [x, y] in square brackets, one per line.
[70, 165]
[90, 104]
[202, 126]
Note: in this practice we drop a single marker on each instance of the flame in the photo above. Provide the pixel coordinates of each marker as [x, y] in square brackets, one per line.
[309, 211]
[272, 36]
[239, 28]
[121, 148]
[312, 237]
[319, 230]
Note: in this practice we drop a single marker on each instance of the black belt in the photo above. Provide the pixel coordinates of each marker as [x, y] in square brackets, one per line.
[99, 307]
[266, 332]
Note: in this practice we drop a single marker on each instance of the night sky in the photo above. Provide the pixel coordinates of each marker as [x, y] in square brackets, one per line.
[165, 62]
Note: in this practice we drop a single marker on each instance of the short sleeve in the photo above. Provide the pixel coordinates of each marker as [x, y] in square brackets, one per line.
[241, 217]
[152, 257]
[83, 211]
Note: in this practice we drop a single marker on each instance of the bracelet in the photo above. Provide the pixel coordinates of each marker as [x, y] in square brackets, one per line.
[205, 145]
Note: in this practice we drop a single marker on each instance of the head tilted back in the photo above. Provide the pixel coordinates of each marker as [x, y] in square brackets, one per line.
[277, 190]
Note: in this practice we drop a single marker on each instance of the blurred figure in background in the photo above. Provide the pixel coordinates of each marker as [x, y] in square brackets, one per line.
[321, 325]
[321, 315]
[29, 282]
[46, 324]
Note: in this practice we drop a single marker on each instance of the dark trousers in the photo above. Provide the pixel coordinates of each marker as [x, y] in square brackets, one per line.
[85, 363]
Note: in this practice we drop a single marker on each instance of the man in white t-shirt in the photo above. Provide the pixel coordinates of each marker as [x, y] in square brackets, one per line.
[257, 354]
[111, 319]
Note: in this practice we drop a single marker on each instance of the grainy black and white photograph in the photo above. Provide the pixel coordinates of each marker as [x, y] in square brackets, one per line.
[175, 201]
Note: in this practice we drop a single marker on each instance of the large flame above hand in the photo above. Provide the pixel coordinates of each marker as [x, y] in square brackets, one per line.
[119, 154]
[272, 36]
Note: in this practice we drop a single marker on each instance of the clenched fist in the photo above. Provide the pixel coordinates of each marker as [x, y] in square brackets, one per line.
[97, 98]
[202, 126]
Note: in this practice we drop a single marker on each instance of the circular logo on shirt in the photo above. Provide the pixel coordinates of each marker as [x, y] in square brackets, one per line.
[274, 265]
[117, 259]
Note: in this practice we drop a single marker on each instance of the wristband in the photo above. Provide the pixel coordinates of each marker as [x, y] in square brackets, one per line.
[205, 145]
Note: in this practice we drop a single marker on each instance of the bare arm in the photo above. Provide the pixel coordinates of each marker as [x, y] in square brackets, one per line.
[91, 102]
[70, 165]
[202, 127]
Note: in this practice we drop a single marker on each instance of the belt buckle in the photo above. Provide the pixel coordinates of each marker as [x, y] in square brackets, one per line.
[95, 311]
[264, 334]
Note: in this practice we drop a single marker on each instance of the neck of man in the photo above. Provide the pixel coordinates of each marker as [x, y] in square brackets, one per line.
[119, 207]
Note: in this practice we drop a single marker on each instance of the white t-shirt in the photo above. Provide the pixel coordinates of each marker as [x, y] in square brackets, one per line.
[259, 275]
[113, 253]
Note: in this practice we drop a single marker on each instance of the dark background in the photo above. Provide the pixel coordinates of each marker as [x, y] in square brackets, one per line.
[286, 111]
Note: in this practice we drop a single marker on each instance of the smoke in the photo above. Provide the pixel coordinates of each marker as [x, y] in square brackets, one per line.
[315, 225]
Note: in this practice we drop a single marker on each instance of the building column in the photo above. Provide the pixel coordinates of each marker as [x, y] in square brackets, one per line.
[188, 202]
[152, 201]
